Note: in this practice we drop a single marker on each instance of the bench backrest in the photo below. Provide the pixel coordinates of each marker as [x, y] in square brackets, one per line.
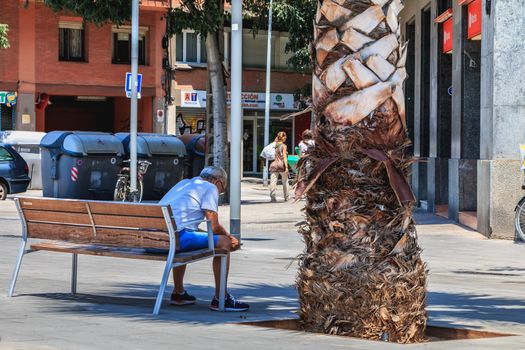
[109, 223]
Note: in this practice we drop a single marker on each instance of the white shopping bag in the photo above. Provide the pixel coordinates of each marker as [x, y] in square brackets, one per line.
[268, 152]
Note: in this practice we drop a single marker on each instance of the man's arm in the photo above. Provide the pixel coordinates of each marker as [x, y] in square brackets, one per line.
[218, 229]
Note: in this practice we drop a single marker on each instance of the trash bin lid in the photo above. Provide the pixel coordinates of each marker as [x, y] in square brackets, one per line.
[167, 145]
[54, 139]
[86, 143]
[150, 145]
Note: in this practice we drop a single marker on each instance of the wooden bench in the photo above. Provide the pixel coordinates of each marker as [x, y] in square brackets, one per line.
[114, 229]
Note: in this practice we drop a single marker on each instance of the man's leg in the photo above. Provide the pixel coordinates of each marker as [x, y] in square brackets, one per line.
[178, 279]
[224, 243]
[231, 304]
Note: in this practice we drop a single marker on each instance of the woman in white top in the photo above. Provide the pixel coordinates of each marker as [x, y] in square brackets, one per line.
[307, 142]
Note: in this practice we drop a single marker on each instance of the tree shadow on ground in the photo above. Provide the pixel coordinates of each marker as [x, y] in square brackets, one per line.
[467, 308]
[267, 301]
[137, 300]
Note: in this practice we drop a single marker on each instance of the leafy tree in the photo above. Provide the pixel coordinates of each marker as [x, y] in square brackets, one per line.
[98, 12]
[4, 43]
[207, 17]
[295, 17]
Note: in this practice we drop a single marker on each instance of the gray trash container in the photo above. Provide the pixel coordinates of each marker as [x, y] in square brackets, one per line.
[27, 145]
[167, 155]
[81, 165]
[195, 147]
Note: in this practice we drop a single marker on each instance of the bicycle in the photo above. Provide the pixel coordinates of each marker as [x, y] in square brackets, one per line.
[519, 217]
[122, 191]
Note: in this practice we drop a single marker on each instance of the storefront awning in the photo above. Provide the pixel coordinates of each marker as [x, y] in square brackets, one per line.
[296, 114]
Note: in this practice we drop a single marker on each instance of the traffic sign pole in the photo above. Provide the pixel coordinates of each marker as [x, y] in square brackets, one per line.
[134, 87]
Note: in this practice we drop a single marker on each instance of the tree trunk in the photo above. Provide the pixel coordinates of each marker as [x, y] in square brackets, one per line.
[216, 76]
[361, 273]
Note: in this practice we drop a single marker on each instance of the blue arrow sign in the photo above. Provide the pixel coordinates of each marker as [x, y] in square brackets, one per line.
[128, 84]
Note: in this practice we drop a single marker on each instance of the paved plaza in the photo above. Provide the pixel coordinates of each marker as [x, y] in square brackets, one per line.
[473, 283]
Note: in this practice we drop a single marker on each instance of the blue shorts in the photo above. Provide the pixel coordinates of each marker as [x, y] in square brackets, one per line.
[194, 240]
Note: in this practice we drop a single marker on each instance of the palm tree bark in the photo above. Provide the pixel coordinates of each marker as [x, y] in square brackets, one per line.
[361, 273]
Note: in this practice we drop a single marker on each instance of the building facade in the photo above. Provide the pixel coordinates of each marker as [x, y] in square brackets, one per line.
[61, 73]
[70, 75]
[191, 86]
[466, 108]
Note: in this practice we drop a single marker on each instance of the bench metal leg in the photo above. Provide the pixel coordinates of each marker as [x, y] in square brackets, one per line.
[74, 274]
[163, 283]
[222, 290]
[21, 252]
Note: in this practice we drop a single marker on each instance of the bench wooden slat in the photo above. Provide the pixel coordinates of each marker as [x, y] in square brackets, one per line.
[119, 252]
[109, 236]
[126, 209]
[99, 219]
[57, 217]
[77, 206]
[130, 221]
[66, 206]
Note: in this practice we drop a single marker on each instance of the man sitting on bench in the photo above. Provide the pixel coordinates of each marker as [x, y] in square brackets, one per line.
[192, 200]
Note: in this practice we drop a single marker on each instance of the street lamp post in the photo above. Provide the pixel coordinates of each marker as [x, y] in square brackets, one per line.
[267, 104]
[133, 109]
[236, 119]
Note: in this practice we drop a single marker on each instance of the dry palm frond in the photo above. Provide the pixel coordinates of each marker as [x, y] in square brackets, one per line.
[361, 273]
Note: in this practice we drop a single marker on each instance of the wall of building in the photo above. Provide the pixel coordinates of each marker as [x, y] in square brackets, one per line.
[254, 49]
[31, 66]
[502, 116]
[9, 57]
[473, 135]
[98, 70]
[254, 80]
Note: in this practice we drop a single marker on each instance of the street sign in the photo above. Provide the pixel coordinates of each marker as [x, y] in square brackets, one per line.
[8, 98]
[128, 84]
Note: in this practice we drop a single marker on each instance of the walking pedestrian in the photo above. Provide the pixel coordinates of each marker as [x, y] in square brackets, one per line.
[306, 143]
[279, 167]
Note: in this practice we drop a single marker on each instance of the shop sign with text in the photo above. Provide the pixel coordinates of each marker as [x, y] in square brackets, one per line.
[447, 36]
[193, 99]
[474, 20]
[249, 100]
[8, 98]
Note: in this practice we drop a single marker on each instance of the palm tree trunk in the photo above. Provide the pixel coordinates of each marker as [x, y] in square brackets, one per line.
[361, 273]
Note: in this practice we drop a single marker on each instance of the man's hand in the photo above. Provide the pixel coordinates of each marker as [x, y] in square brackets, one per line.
[235, 243]
[220, 230]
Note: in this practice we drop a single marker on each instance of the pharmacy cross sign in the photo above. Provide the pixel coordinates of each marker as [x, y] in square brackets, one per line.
[128, 84]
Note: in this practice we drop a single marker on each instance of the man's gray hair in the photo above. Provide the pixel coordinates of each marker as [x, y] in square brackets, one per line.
[215, 173]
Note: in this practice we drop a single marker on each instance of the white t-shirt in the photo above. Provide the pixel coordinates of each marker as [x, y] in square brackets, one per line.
[305, 145]
[188, 200]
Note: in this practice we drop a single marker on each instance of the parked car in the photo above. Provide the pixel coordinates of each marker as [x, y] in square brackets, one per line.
[13, 172]
[27, 143]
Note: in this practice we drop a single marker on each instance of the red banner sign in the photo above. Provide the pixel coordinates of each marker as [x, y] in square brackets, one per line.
[474, 20]
[447, 36]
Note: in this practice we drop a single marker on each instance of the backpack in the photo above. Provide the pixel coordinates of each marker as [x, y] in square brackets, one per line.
[268, 152]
